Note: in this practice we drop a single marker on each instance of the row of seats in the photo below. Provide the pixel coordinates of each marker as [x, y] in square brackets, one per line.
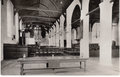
[72, 51]
[94, 47]
[35, 51]
[76, 45]
[49, 51]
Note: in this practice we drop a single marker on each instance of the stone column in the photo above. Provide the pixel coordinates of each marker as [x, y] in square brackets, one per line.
[106, 32]
[20, 32]
[62, 20]
[1, 44]
[84, 42]
[47, 39]
[74, 36]
[53, 34]
[57, 34]
[9, 18]
[68, 30]
[54, 30]
[69, 13]
[119, 32]
[21, 22]
[78, 32]
[50, 38]
[17, 26]
[90, 34]
[119, 35]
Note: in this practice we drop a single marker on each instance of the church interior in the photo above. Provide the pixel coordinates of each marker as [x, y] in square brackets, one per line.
[55, 34]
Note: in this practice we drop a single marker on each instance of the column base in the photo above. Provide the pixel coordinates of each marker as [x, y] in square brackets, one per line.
[84, 49]
[105, 64]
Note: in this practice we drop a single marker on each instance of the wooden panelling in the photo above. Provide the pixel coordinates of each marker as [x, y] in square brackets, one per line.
[12, 51]
[94, 50]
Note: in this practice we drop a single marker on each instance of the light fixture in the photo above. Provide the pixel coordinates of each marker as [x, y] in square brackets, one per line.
[35, 27]
[61, 2]
[64, 13]
[28, 25]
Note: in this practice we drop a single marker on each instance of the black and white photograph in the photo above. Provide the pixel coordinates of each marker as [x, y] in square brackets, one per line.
[59, 37]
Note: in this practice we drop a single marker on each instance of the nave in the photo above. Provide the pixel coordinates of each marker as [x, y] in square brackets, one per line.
[59, 33]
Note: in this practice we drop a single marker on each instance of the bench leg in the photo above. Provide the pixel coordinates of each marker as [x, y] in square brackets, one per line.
[84, 65]
[53, 69]
[80, 65]
[47, 65]
[21, 69]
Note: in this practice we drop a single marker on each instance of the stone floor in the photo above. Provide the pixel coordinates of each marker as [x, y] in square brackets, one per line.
[12, 67]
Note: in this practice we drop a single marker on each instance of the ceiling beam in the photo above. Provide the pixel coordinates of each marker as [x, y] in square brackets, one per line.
[41, 24]
[53, 3]
[36, 9]
[27, 16]
[37, 21]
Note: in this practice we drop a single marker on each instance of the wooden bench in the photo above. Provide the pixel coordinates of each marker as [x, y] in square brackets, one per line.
[51, 62]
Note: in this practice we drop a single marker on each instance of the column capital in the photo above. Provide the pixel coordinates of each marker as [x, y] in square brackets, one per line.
[106, 3]
[16, 10]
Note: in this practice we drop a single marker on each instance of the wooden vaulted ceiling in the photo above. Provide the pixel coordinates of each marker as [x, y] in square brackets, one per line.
[42, 12]
[46, 12]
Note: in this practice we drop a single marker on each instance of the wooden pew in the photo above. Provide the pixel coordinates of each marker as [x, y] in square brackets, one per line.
[50, 51]
[94, 50]
[72, 51]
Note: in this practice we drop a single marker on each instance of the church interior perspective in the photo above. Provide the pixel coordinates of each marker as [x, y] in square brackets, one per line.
[59, 37]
